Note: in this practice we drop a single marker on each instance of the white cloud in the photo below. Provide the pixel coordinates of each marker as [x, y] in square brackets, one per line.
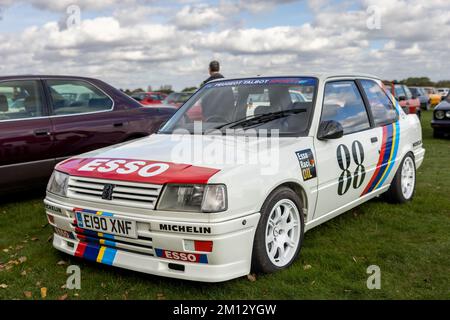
[165, 43]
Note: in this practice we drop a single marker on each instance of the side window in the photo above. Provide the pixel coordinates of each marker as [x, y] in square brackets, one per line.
[20, 99]
[343, 103]
[408, 92]
[383, 110]
[76, 96]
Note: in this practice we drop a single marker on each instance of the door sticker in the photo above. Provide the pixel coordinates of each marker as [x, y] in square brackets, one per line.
[307, 164]
[344, 160]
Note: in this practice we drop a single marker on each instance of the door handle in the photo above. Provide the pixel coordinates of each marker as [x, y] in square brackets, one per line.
[118, 124]
[41, 132]
[374, 139]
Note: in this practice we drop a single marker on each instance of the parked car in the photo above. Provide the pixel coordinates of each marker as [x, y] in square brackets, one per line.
[409, 103]
[243, 200]
[149, 98]
[443, 92]
[433, 95]
[441, 118]
[177, 99]
[422, 95]
[45, 119]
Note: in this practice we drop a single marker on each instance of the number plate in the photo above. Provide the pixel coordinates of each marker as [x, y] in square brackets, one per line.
[106, 224]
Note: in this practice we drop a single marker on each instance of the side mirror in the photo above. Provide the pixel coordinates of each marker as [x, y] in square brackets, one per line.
[402, 98]
[330, 130]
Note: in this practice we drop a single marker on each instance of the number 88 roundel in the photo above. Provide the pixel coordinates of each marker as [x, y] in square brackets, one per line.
[344, 160]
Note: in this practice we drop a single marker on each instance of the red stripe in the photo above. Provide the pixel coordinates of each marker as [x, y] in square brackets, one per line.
[175, 173]
[380, 160]
[79, 252]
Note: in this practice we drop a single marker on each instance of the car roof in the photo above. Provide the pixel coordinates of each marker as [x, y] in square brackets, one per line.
[38, 76]
[320, 76]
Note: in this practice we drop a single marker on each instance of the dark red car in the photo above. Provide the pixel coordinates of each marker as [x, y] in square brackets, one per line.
[45, 119]
[149, 98]
[409, 103]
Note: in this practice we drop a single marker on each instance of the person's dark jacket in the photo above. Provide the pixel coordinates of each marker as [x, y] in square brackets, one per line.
[213, 77]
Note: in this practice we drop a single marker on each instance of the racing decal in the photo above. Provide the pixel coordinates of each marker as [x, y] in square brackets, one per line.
[263, 81]
[96, 253]
[344, 158]
[63, 233]
[184, 229]
[136, 170]
[53, 209]
[307, 164]
[386, 161]
[181, 256]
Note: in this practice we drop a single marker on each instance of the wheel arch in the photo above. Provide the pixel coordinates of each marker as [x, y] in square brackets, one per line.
[298, 189]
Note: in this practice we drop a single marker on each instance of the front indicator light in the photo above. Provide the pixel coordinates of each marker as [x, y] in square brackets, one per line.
[198, 245]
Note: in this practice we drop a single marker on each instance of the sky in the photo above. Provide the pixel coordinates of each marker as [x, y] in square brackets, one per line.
[136, 43]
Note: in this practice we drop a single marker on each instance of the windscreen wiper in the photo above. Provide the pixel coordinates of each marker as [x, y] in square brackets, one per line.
[259, 119]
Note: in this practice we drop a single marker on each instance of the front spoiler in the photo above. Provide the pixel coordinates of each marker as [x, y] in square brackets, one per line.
[229, 259]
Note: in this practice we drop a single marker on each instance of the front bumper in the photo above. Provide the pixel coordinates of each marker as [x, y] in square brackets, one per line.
[441, 125]
[230, 257]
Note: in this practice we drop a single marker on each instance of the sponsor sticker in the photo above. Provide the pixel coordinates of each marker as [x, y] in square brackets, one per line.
[307, 164]
[184, 229]
[181, 256]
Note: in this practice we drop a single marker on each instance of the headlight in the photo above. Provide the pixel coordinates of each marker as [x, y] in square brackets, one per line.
[194, 198]
[447, 114]
[58, 183]
[439, 114]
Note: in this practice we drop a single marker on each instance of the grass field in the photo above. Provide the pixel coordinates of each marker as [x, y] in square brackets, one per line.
[410, 243]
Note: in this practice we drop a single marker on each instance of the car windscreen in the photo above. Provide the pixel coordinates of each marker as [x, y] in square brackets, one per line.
[236, 106]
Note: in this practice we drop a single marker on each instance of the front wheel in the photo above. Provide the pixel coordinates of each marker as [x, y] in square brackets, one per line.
[279, 235]
[404, 183]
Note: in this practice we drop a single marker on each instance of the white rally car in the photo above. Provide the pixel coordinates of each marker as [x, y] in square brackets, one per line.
[212, 200]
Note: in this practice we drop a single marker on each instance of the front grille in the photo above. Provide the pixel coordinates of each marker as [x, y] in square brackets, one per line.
[138, 195]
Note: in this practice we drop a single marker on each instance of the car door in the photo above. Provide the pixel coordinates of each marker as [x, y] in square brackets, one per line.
[345, 164]
[25, 134]
[83, 117]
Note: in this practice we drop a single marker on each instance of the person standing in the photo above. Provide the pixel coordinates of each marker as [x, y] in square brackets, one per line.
[214, 68]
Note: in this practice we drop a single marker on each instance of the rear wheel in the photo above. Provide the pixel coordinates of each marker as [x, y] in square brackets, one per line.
[404, 183]
[279, 235]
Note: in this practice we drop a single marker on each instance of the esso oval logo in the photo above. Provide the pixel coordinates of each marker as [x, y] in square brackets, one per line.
[124, 167]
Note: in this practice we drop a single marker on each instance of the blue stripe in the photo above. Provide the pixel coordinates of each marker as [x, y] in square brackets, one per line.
[386, 156]
[89, 211]
[109, 256]
[91, 252]
[107, 214]
[80, 220]
[108, 236]
[394, 155]
[203, 258]
[110, 243]
[159, 252]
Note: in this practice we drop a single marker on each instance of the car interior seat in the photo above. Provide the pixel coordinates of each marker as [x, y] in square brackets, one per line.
[4, 107]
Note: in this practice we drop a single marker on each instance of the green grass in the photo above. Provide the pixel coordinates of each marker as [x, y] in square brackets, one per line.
[410, 243]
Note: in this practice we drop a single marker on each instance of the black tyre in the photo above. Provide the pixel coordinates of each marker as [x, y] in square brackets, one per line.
[437, 134]
[404, 183]
[279, 235]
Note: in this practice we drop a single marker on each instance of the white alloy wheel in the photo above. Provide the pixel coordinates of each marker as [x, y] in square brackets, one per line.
[283, 230]
[408, 178]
